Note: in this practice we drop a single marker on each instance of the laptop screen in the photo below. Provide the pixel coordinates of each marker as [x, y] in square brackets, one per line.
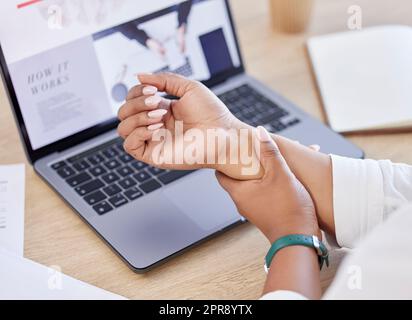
[72, 62]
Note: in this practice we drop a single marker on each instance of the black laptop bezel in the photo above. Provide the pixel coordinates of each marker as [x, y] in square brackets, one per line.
[34, 155]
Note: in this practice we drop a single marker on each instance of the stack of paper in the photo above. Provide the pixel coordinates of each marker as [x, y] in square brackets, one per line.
[26, 280]
[12, 208]
[21, 278]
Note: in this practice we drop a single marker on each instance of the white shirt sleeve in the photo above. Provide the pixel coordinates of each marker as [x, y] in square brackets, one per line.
[365, 193]
[380, 267]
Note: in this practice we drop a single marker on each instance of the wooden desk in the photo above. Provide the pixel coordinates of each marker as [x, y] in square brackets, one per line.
[230, 266]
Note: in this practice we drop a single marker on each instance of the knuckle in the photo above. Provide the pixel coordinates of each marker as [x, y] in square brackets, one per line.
[272, 152]
[120, 113]
[192, 84]
[268, 153]
[170, 75]
[127, 146]
[121, 129]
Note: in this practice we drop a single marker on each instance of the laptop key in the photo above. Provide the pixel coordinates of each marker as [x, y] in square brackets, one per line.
[293, 122]
[96, 159]
[112, 190]
[89, 187]
[58, 165]
[65, 172]
[97, 171]
[276, 115]
[142, 176]
[138, 165]
[110, 177]
[102, 208]
[110, 153]
[156, 171]
[79, 179]
[171, 176]
[81, 165]
[95, 197]
[112, 164]
[119, 146]
[125, 158]
[277, 126]
[133, 193]
[125, 171]
[150, 186]
[127, 183]
[118, 200]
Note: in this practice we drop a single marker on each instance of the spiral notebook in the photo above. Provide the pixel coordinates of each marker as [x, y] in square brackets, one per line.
[365, 77]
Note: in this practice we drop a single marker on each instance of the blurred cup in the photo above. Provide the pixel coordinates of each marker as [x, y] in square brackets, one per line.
[291, 16]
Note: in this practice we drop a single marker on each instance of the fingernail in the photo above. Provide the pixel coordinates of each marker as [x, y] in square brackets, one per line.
[316, 147]
[263, 134]
[149, 90]
[157, 113]
[154, 127]
[153, 101]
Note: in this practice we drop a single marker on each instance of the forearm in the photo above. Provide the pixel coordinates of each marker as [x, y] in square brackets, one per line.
[313, 169]
[295, 269]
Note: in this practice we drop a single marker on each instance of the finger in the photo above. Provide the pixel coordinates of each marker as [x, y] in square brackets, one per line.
[170, 83]
[143, 119]
[141, 104]
[141, 90]
[135, 143]
[270, 157]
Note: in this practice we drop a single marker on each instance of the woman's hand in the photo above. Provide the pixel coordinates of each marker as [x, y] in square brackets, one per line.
[278, 204]
[197, 108]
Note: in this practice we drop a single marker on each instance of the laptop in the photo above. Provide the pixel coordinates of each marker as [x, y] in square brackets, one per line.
[59, 72]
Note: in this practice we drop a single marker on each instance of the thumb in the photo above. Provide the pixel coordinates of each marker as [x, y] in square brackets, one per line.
[269, 154]
[170, 83]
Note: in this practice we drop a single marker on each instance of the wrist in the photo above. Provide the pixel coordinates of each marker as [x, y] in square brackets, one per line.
[276, 232]
[246, 165]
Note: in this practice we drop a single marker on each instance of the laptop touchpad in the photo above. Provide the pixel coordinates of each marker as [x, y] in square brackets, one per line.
[200, 197]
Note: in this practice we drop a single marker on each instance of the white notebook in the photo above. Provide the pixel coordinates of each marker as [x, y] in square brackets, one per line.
[365, 77]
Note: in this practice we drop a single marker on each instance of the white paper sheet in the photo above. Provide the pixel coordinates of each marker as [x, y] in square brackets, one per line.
[12, 184]
[27, 280]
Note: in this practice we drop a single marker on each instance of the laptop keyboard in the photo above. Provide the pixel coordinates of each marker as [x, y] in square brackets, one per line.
[106, 177]
[255, 109]
[185, 70]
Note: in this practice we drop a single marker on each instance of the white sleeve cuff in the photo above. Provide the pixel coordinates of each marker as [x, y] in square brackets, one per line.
[357, 198]
[283, 295]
